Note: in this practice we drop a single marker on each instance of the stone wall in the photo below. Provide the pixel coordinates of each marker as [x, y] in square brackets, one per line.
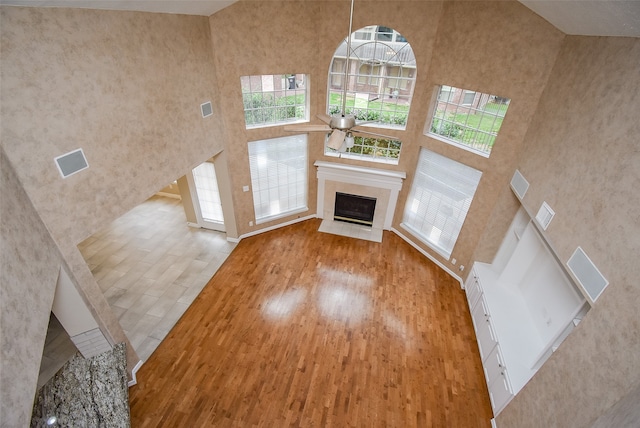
[87, 393]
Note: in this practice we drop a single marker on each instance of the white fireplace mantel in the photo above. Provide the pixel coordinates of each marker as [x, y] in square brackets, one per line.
[390, 181]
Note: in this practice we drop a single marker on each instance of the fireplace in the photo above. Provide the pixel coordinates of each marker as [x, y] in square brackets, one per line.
[354, 209]
[379, 185]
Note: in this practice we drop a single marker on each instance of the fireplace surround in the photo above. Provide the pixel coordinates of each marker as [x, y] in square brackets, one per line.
[380, 184]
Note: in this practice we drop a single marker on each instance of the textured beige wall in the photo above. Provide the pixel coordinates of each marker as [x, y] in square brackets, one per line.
[503, 49]
[252, 38]
[226, 197]
[511, 54]
[124, 86]
[26, 296]
[625, 413]
[187, 200]
[127, 88]
[256, 37]
[582, 157]
[259, 38]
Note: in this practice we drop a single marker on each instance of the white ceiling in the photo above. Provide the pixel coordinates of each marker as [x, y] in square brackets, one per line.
[590, 17]
[576, 17]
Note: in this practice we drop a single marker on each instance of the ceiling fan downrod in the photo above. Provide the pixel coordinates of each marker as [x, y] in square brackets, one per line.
[346, 67]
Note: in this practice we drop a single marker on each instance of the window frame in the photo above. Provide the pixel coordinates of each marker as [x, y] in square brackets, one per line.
[433, 184]
[454, 106]
[364, 142]
[268, 181]
[279, 90]
[370, 96]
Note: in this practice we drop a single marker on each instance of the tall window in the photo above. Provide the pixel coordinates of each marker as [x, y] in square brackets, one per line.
[467, 119]
[278, 176]
[274, 99]
[439, 200]
[381, 77]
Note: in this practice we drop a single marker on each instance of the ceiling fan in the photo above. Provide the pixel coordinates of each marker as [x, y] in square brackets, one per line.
[341, 125]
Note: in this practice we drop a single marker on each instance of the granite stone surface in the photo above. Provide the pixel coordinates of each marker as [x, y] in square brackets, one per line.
[86, 393]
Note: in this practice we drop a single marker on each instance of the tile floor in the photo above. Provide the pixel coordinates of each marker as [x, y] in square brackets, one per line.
[151, 266]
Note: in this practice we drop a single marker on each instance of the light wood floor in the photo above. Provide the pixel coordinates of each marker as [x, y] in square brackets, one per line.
[302, 328]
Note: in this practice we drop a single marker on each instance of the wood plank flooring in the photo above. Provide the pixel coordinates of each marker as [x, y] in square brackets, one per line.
[304, 329]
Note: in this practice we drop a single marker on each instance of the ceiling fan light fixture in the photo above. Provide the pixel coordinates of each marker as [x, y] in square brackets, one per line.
[349, 140]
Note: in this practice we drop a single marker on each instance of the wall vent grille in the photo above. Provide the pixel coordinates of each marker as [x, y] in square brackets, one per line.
[544, 216]
[71, 163]
[519, 184]
[207, 109]
[587, 274]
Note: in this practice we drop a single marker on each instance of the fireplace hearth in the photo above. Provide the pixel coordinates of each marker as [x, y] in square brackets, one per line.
[354, 209]
[379, 185]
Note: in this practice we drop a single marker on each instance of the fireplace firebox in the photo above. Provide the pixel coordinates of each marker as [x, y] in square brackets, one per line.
[354, 209]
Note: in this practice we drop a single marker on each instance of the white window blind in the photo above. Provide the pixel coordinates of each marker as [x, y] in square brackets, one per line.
[439, 200]
[278, 176]
[204, 177]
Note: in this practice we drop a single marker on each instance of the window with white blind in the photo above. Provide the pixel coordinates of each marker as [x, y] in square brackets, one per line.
[439, 200]
[278, 176]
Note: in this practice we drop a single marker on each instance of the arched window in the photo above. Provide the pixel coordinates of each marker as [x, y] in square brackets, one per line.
[380, 79]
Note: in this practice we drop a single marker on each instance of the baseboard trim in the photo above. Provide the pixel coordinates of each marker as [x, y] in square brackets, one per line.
[277, 226]
[135, 369]
[493, 423]
[429, 256]
[194, 225]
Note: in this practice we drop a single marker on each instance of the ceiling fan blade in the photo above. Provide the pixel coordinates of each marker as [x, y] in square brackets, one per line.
[336, 139]
[386, 137]
[307, 128]
[324, 117]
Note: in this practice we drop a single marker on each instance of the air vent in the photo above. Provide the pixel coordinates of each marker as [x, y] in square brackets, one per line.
[207, 109]
[587, 274]
[71, 163]
[544, 216]
[519, 184]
